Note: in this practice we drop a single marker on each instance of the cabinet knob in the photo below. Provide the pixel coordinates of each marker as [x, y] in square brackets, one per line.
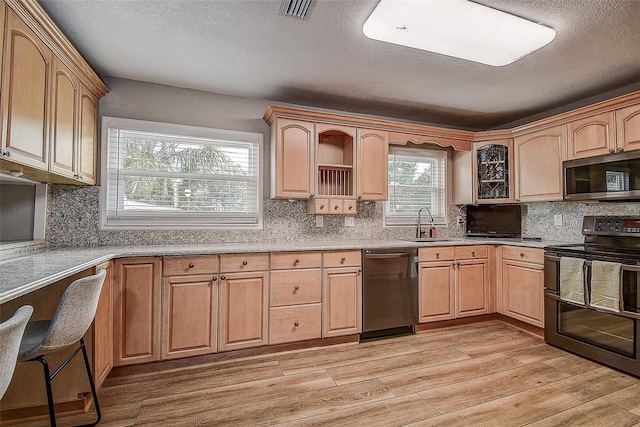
[611, 150]
[350, 207]
[336, 207]
[222, 277]
[437, 254]
[297, 260]
[191, 265]
[296, 324]
[296, 288]
[312, 196]
[215, 278]
[517, 200]
[620, 149]
[473, 253]
[244, 262]
[343, 259]
[321, 206]
[454, 263]
[360, 197]
[521, 254]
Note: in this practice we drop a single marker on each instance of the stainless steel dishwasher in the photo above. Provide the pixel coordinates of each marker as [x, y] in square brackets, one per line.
[389, 292]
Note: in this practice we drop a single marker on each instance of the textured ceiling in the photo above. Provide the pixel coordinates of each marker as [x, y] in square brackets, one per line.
[243, 48]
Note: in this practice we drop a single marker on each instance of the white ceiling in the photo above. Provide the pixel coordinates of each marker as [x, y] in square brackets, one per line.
[243, 48]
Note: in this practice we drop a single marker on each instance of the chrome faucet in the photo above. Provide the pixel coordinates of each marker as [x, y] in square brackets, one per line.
[419, 229]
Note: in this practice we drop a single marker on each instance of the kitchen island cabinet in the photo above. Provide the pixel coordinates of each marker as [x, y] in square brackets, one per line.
[244, 293]
[189, 306]
[137, 305]
[342, 293]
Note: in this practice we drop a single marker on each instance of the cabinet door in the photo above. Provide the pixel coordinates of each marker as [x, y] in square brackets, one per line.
[591, 136]
[492, 171]
[372, 164]
[243, 310]
[436, 291]
[472, 288]
[87, 136]
[103, 330]
[628, 128]
[538, 165]
[64, 111]
[523, 291]
[190, 313]
[26, 78]
[342, 302]
[292, 161]
[136, 320]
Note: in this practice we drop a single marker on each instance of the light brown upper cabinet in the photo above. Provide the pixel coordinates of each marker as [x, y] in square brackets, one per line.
[591, 136]
[492, 171]
[373, 160]
[26, 80]
[292, 159]
[49, 100]
[538, 164]
[628, 128]
[3, 12]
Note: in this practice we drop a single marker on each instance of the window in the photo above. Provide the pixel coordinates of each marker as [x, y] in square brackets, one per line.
[166, 176]
[416, 179]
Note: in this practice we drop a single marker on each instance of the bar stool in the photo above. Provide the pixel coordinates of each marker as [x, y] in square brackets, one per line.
[11, 331]
[72, 319]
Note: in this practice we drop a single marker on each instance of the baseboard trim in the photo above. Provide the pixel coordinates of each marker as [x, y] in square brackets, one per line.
[40, 411]
[424, 327]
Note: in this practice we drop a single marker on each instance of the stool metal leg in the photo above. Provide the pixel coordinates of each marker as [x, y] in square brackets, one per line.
[47, 381]
[48, 377]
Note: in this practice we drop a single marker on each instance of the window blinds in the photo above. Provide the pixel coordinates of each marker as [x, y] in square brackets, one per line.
[163, 179]
[415, 181]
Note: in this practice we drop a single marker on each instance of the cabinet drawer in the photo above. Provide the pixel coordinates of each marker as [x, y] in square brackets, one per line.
[469, 252]
[295, 323]
[523, 254]
[244, 262]
[295, 287]
[289, 260]
[200, 264]
[335, 206]
[438, 253]
[342, 259]
[349, 206]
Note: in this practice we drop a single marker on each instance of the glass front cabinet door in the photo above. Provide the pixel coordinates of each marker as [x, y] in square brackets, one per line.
[492, 177]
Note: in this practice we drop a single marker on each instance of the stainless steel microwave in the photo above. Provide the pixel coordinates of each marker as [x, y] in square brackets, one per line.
[608, 177]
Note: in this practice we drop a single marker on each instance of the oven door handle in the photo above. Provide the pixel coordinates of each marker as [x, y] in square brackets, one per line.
[589, 307]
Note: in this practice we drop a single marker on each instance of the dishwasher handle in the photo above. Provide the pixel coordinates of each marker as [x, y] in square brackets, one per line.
[388, 255]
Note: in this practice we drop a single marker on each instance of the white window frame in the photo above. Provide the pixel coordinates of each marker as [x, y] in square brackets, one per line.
[403, 221]
[191, 221]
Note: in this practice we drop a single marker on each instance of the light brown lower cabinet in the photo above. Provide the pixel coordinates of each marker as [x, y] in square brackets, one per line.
[244, 310]
[189, 315]
[454, 282]
[523, 285]
[137, 305]
[342, 301]
[103, 329]
[295, 323]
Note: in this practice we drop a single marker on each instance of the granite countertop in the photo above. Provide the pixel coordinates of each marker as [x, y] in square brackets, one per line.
[28, 272]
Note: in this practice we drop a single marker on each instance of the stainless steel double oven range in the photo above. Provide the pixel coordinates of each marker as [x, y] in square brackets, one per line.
[608, 337]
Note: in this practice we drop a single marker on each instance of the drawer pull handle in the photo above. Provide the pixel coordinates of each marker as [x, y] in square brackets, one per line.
[244, 262]
[437, 254]
[473, 253]
[297, 260]
[343, 259]
[521, 254]
[191, 265]
[296, 288]
[296, 324]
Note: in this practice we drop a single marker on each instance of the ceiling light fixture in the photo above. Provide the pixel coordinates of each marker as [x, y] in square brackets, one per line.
[458, 28]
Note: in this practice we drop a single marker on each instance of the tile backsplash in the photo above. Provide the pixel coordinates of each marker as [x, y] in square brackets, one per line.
[74, 221]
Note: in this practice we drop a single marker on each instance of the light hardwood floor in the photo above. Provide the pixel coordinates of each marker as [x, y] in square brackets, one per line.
[485, 374]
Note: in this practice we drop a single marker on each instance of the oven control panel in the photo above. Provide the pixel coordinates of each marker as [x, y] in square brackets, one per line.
[616, 225]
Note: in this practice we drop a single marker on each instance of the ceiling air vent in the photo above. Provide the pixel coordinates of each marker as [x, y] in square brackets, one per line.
[300, 9]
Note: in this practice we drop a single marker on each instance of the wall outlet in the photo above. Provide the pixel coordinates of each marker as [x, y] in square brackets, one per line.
[319, 221]
[460, 220]
[557, 220]
[349, 221]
